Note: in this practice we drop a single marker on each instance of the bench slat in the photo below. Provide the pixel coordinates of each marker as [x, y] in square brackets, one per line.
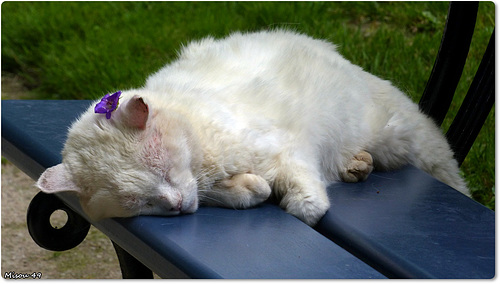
[264, 242]
[409, 225]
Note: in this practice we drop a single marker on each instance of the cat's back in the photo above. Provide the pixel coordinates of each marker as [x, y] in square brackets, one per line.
[263, 68]
[241, 57]
[254, 50]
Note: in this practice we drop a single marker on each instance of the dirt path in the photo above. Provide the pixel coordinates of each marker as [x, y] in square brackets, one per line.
[93, 258]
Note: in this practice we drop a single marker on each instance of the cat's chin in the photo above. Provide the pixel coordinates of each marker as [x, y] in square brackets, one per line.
[189, 207]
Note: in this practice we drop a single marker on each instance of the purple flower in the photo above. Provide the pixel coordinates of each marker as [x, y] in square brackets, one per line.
[108, 104]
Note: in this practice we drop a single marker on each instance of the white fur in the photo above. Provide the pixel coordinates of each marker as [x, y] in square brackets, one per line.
[231, 119]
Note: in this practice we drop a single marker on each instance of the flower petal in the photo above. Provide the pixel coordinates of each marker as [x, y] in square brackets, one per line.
[108, 104]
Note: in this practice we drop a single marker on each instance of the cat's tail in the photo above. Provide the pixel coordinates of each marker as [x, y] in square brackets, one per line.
[410, 137]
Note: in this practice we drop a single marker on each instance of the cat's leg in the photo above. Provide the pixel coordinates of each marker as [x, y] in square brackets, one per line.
[301, 190]
[238, 191]
[358, 168]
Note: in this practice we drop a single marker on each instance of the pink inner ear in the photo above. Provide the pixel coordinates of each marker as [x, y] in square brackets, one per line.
[56, 179]
[137, 112]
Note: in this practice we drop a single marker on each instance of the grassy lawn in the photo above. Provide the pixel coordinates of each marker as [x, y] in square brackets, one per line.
[82, 50]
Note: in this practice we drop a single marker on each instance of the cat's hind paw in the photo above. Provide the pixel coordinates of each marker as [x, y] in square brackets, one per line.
[358, 168]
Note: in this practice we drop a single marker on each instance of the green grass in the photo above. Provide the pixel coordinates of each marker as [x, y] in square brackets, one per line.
[82, 50]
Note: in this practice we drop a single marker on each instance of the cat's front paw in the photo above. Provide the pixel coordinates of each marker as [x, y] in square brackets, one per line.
[247, 190]
[310, 210]
[358, 168]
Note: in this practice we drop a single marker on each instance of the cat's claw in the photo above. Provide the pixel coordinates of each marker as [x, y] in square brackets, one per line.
[358, 168]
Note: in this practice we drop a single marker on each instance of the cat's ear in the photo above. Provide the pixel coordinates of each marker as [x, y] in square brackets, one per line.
[56, 179]
[135, 113]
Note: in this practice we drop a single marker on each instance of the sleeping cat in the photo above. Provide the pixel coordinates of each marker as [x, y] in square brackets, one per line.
[234, 121]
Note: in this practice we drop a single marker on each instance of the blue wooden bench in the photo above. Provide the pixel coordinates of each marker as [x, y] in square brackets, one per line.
[400, 224]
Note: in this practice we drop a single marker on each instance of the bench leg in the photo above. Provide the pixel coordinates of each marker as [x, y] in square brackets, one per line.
[131, 267]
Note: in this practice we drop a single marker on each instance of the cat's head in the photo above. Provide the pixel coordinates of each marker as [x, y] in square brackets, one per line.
[137, 160]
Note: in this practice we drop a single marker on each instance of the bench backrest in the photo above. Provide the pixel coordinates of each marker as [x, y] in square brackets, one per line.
[446, 74]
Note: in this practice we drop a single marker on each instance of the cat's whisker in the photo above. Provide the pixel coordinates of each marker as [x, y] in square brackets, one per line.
[205, 197]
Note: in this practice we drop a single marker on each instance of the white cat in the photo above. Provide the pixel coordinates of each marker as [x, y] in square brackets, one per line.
[232, 121]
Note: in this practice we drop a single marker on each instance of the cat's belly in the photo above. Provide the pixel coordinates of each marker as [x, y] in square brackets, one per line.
[236, 144]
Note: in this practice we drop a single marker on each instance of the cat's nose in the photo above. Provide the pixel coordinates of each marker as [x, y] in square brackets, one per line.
[172, 203]
[178, 207]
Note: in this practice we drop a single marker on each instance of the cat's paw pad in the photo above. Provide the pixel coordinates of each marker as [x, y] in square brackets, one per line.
[250, 189]
[358, 168]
